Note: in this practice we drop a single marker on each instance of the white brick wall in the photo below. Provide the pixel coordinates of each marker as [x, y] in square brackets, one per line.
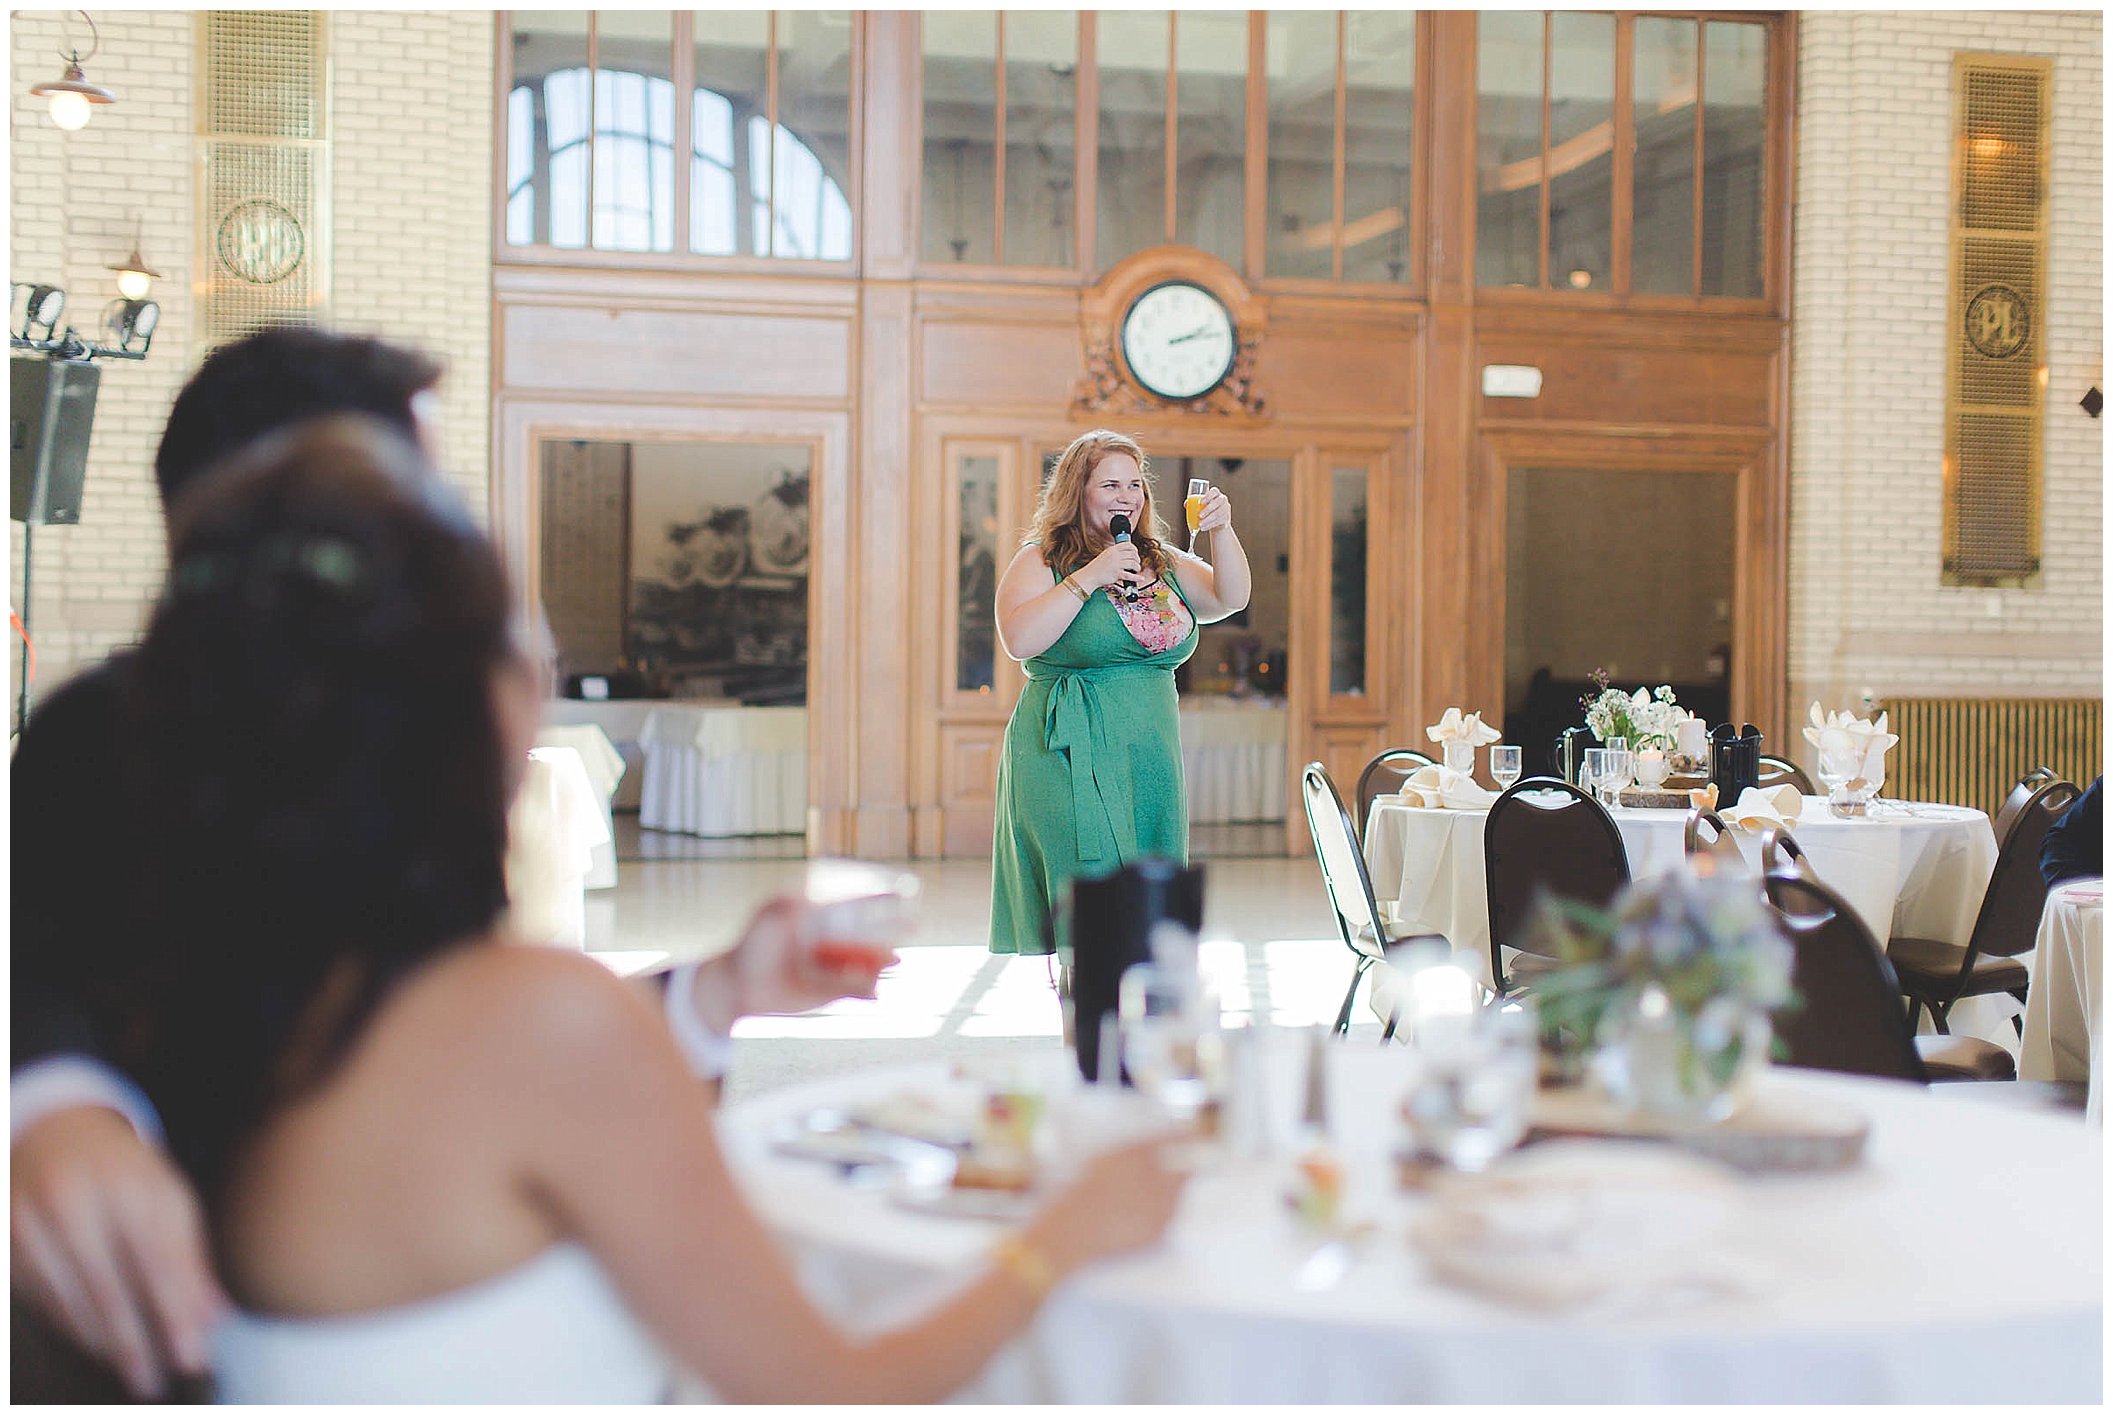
[1872, 249]
[412, 154]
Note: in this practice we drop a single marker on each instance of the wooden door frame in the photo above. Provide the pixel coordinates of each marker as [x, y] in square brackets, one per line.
[1760, 565]
[520, 422]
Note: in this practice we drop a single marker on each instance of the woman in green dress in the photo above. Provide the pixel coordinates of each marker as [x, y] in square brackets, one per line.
[1091, 776]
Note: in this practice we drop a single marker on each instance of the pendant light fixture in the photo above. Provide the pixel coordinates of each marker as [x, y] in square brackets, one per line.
[134, 276]
[73, 98]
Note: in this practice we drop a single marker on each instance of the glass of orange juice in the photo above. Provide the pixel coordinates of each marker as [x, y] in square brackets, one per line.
[1193, 503]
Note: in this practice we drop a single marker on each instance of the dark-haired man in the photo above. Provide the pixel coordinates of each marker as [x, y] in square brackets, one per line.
[105, 1236]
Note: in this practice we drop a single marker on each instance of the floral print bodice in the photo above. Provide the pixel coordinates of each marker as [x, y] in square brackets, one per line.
[1157, 618]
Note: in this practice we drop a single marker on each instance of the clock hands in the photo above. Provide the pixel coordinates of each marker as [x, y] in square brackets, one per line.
[1196, 333]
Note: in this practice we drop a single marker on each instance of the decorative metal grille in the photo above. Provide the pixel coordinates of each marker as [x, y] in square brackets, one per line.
[264, 171]
[1996, 390]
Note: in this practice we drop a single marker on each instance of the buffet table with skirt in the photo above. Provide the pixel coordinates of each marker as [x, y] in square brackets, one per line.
[1232, 759]
[724, 770]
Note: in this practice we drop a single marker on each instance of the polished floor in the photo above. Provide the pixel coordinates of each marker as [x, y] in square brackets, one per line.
[1270, 950]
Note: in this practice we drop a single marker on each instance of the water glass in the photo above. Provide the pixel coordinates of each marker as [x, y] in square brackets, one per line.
[1598, 766]
[1470, 1097]
[1619, 773]
[1504, 766]
[1460, 758]
[1170, 1041]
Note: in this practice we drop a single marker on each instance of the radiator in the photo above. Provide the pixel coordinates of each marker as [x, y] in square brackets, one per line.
[1971, 751]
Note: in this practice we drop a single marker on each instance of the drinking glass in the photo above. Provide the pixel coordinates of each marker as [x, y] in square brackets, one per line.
[1838, 767]
[1473, 1073]
[1597, 766]
[1192, 504]
[854, 915]
[1460, 757]
[1169, 1028]
[1504, 766]
[1620, 767]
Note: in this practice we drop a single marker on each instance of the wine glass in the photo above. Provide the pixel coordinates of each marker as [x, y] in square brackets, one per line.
[1169, 1030]
[1192, 504]
[1460, 758]
[1504, 766]
[1473, 1073]
[1620, 769]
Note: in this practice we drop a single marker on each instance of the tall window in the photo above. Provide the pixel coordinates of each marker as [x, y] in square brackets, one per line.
[606, 151]
[1341, 108]
[1557, 106]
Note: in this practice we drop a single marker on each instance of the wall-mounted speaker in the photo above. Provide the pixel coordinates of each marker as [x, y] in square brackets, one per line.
[51, 411]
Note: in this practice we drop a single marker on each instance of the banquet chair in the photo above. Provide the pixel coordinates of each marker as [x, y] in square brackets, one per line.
[1708, 843]
[1781, 853]
[2030, 782]
[1848, 1016]
[1777, 770]
[1349, 883]
[1544, 836]
[1385, 773]
[1936, 974]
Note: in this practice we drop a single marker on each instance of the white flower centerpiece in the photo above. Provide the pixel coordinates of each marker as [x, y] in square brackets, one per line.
[1648, 719]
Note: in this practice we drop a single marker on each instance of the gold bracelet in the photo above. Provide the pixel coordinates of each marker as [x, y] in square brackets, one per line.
[1073, 585]
[1025, 1263]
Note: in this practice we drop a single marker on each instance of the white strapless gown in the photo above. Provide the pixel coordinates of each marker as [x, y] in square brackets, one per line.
[551, 1330]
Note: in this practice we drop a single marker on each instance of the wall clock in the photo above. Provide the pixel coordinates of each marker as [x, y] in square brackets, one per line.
[1178, 340]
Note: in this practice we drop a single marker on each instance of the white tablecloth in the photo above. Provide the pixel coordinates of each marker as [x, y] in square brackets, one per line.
[2065, 1011]
[624, 720]
[1920, 874]
[1232, 756]
[724, 770]
[1857, 1302]
[605, 770]
[557, 821]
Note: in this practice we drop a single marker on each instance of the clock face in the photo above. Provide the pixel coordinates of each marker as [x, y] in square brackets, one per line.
[1178, 340]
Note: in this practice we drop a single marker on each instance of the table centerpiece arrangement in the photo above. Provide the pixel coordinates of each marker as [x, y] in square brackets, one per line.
[1663, 998]
[1665, 741]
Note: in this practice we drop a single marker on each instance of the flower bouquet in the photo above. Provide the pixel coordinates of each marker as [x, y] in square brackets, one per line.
[1646, 719]
[1667, 993]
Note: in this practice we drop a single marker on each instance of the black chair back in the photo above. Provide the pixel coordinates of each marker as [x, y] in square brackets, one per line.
[1777, 770]
[1849, 1017]
[2009, 921]
[1382, 775]
[1708, 842]
[1545, 834]
[1342, 864]
[1107, 926]
[1781, 854]
[2030, 782]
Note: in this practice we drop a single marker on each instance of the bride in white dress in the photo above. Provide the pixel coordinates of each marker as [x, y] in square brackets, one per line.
[439, 1166]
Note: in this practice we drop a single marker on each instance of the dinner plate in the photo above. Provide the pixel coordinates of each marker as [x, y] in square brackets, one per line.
[922, 1194]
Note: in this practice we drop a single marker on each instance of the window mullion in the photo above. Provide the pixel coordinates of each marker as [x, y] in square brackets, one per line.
[1547, 83]
[1342, 115]
[770, 151]
[1701, 97]
[1173, 118]
[997, 230]
[682, 72]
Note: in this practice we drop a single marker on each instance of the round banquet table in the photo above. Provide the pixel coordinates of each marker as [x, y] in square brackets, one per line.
[1915, 870]
[2064, 1011]
[1958, 1262]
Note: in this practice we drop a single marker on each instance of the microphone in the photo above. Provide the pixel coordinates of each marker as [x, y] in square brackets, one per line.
[1119, 526]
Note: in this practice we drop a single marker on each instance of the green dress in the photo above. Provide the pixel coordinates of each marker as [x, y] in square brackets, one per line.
[1091, 776]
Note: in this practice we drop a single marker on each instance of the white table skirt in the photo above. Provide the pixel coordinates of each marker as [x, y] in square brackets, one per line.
[557, 822]
[2064, 1013]
[624, 720]
[1232, 758]
[1919, 875]
[724, 770]
[1851, 1306]
[605, 770]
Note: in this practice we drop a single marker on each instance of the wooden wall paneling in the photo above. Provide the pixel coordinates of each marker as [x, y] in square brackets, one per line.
[882, 554]
[887, 123]
[968, 754]
[835, 700]
[724, 355]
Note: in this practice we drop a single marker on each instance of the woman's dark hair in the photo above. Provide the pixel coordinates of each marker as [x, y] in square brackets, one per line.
[320, 767]
[278, 377]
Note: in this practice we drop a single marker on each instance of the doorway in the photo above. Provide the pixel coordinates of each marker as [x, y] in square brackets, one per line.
[674, 578]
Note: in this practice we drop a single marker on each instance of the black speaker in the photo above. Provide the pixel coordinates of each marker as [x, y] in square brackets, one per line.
[51, 410]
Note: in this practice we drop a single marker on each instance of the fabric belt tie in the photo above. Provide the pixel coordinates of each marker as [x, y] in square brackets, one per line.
[1075, 724]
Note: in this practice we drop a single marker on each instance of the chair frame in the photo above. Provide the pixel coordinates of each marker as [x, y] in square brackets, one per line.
[1502, 806]
[1784, 766]
[1720, 846]
[2014, 803]
[1781, 854]
[1940, 1007]
[1318, 794]
[1899, 1031]
[1372, 770]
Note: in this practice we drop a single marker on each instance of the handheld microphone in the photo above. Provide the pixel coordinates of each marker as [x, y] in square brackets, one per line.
[1119, 526]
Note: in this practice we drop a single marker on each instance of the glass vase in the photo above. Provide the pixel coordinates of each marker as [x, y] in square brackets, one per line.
[1688, 1068]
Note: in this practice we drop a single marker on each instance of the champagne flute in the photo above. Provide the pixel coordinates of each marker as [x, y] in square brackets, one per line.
[1193, 505]
[1504, 766]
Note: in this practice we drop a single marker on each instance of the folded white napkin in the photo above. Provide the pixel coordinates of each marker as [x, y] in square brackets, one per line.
[1870, 740]
[1575, 1222]
[1469, 729]
[1757, 809]
[1442, 786]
